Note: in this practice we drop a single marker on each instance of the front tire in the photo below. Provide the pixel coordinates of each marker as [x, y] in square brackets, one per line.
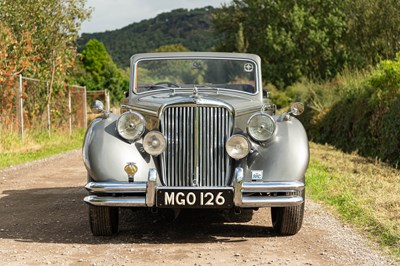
[288, 220]
[103, 220]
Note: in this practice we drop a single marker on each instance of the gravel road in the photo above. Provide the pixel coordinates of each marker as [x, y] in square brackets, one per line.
[43, 220]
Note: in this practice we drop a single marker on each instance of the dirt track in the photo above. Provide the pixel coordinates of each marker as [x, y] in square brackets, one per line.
[43, 220]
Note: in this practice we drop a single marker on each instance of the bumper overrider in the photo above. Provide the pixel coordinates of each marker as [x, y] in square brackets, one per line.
[245, 194]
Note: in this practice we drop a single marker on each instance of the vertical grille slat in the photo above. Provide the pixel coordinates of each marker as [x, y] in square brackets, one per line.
[196, 138]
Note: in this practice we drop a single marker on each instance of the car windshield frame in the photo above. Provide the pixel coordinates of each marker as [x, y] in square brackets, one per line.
[200, 87]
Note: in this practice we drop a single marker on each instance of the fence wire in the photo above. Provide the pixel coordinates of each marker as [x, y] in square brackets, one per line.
[30, 106]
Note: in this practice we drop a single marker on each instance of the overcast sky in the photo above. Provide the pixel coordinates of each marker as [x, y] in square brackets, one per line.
[116, 14]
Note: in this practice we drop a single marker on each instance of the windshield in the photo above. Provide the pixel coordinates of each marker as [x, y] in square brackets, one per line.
[231, 74]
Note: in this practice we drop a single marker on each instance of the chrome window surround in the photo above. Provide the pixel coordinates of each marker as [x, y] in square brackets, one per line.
[134, 77]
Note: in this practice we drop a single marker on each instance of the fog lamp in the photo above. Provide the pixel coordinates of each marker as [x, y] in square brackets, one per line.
[131, 125]
[237, 147]
[154, 143]
[261, 127]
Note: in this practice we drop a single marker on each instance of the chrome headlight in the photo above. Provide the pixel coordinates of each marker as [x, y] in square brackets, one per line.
[131, 125]
[237, 147]
[154, 143]
[261, 127]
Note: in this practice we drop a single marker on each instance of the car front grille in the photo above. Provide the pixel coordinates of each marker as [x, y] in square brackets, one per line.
[195, 153]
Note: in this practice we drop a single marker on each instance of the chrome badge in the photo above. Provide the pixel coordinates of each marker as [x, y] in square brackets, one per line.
[131, 169]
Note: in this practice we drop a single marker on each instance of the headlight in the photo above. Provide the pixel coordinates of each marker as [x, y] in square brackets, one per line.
[237, 147]
[131, 125]
[154, 143]
[261, 127]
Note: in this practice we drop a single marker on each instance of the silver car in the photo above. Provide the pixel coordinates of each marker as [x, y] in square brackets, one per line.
[196, 131]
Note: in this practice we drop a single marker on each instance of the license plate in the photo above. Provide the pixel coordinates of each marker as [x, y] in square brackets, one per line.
[194, 198]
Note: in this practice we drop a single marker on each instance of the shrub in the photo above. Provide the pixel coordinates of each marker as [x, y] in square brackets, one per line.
[358, 111]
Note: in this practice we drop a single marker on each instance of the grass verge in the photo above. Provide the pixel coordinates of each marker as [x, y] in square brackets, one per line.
[36, 146]
[361, 191]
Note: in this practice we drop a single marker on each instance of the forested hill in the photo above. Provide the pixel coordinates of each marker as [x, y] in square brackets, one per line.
[191, 28]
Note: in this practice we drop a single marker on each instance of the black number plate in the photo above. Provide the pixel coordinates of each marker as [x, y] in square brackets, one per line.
[194, 198]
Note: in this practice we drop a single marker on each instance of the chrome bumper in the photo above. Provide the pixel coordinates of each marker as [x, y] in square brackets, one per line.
[246, 194]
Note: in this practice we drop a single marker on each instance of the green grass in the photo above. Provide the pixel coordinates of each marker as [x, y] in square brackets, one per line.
[36, 146]
[365, 193]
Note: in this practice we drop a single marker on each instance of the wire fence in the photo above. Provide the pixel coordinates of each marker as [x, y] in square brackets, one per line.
[29, 106]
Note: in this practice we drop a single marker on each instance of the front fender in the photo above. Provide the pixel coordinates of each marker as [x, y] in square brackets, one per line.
[105, 153]
[285, 157]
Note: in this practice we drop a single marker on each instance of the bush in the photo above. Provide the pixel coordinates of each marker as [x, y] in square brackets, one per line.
[358, 111]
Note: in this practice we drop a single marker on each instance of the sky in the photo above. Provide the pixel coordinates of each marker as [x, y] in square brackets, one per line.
[116, 14]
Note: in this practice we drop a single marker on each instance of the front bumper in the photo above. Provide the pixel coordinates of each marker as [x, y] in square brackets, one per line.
[246, 194]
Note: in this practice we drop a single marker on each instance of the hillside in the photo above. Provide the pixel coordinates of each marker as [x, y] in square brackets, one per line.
[191, 28]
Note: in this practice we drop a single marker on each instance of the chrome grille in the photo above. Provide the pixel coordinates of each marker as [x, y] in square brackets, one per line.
[195, 154]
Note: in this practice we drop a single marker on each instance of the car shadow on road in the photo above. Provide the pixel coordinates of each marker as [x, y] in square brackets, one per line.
[59, 215]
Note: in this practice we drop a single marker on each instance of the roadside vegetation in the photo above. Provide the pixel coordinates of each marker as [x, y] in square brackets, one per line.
[36, 146]
[339, 58]
[356, 111]
[364, 192]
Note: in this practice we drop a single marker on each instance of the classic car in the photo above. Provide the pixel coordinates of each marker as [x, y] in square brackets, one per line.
[197, 130]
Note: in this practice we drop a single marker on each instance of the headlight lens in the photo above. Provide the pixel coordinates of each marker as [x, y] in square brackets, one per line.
[154, 143]
[237, 147]
[261, 127]
[131, 125]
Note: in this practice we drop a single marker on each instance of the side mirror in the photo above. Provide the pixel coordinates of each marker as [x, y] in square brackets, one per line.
[297, 109]
[98, 106]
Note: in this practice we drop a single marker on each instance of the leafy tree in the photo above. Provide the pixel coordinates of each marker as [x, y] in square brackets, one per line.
[16, 55]
[373, 31]
[38, 38]
[53, 27]
[294, 38]
[308, 38]
[172, 48]
[97, 71]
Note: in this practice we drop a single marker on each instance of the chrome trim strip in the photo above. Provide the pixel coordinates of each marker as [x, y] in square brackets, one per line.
[255, 187]
[197, 129]
[115, 187]
[196, 102]
[139, 109]
[271, 201]
[133, 64]
[132, 201]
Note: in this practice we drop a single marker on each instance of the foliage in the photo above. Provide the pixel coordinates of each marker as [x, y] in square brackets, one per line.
[97, 71]
[190, 28]
[176, 47]
[363, 192]
[37, 39]
[369, 38]
[294, 38]
[53, 26]
[358, 111]
[307, 38]
[15, 56]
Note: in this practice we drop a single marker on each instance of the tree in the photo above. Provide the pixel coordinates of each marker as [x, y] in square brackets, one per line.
[178, 47]
[294, 38]
[97, 71]
[373, 31]
[16, 55]
[53, 26]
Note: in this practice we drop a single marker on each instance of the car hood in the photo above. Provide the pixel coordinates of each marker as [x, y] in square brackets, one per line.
[154, 103]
